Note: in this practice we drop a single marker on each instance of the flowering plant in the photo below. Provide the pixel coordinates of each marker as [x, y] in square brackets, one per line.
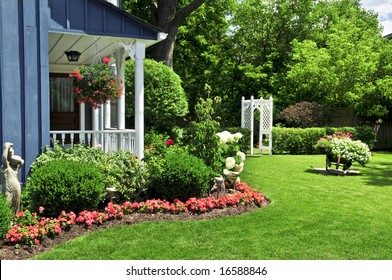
[233, 165]
[30, 229]
[341, 146]
[95, 83]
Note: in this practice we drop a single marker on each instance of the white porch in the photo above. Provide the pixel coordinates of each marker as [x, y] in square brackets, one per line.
[128, 38]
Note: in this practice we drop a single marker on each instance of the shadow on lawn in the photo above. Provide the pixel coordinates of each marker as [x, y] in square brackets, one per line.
[380, 176]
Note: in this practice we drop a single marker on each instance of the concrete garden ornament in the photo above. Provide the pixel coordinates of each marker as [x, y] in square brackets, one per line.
[10, 185]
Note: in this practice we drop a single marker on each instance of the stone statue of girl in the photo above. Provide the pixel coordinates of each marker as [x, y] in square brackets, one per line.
[9, 176]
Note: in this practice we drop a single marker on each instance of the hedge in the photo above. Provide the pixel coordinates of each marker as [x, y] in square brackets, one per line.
[303, 140]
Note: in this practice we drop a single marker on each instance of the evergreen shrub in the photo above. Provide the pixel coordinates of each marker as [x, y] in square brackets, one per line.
[120, 169]
[179, 175]
[68, 185]
[165, 99]
[304, 140]
[6, 215]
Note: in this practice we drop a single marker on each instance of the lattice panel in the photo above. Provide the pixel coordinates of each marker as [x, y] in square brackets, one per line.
[265, 117]
[248, 117]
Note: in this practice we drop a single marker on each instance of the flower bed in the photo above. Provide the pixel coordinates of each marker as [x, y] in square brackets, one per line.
[30, 228]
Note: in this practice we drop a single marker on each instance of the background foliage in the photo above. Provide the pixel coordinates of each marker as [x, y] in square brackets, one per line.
[328, 51]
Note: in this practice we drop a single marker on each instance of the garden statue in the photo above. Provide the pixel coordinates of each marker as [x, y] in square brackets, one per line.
[9, 176]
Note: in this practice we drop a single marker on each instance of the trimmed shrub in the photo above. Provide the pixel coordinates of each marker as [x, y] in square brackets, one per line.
[68, 185]
[6, 215]
[304, 114]
[179, 175]
[295, 140]
[119, 168]
[165, 99]
[304, 140]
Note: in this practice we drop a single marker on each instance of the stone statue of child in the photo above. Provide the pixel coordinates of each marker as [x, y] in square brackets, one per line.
[9, 176]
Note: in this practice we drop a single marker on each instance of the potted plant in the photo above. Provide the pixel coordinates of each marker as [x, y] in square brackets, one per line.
[340, 148]
[95, 83]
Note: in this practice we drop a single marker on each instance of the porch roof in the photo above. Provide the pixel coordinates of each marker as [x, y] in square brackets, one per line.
[93, 27]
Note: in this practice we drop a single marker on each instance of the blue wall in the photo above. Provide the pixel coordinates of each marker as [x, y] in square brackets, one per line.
[24, 77]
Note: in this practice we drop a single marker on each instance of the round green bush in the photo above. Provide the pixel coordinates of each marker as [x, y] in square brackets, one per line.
[165, 99]
[6, 215]
[63, 184]
[179, 175]
[121, 169]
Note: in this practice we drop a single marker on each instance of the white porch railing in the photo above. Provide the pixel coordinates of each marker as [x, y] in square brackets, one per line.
[108, 140]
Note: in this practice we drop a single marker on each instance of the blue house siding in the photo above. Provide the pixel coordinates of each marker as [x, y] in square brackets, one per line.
[97, 17]
[24, 72]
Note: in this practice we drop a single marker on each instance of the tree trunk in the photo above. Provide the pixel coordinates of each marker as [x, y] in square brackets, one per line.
[164, 15]
[163, 51]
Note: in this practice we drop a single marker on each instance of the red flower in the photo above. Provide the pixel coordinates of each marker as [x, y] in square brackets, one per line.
[169, 142]
[106, 60]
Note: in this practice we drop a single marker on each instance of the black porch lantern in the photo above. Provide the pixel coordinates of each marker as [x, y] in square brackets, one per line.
[73, 55]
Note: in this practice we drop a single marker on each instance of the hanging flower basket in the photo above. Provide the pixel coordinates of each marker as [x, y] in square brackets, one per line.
[95, 83]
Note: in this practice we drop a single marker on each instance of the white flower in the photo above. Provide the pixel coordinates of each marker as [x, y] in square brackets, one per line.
[241, 156]
[222, 137]
[230, 163]
[229, 136]
[238, 180]
[239, 167]
[226, 172]
[237, 136]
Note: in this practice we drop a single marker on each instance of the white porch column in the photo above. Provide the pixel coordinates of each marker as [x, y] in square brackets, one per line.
[82, 118]
[139, 99]
[95, 125]
[107, 115]
[120, 66]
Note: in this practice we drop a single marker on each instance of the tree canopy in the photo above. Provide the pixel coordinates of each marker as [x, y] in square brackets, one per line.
[326, 51]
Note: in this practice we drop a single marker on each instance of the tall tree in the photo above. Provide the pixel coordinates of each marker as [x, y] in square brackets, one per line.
[167, 16]
[344, 63]
[262, 34]
[204, 55]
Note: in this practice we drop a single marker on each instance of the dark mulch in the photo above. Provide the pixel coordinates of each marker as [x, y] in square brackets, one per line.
[25, 252]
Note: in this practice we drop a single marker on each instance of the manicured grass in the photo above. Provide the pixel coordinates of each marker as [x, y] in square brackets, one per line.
[312, 216]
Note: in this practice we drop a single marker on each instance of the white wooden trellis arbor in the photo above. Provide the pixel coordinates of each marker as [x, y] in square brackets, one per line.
[265, 107]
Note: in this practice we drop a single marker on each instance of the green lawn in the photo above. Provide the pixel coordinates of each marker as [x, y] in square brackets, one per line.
[311, 216]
